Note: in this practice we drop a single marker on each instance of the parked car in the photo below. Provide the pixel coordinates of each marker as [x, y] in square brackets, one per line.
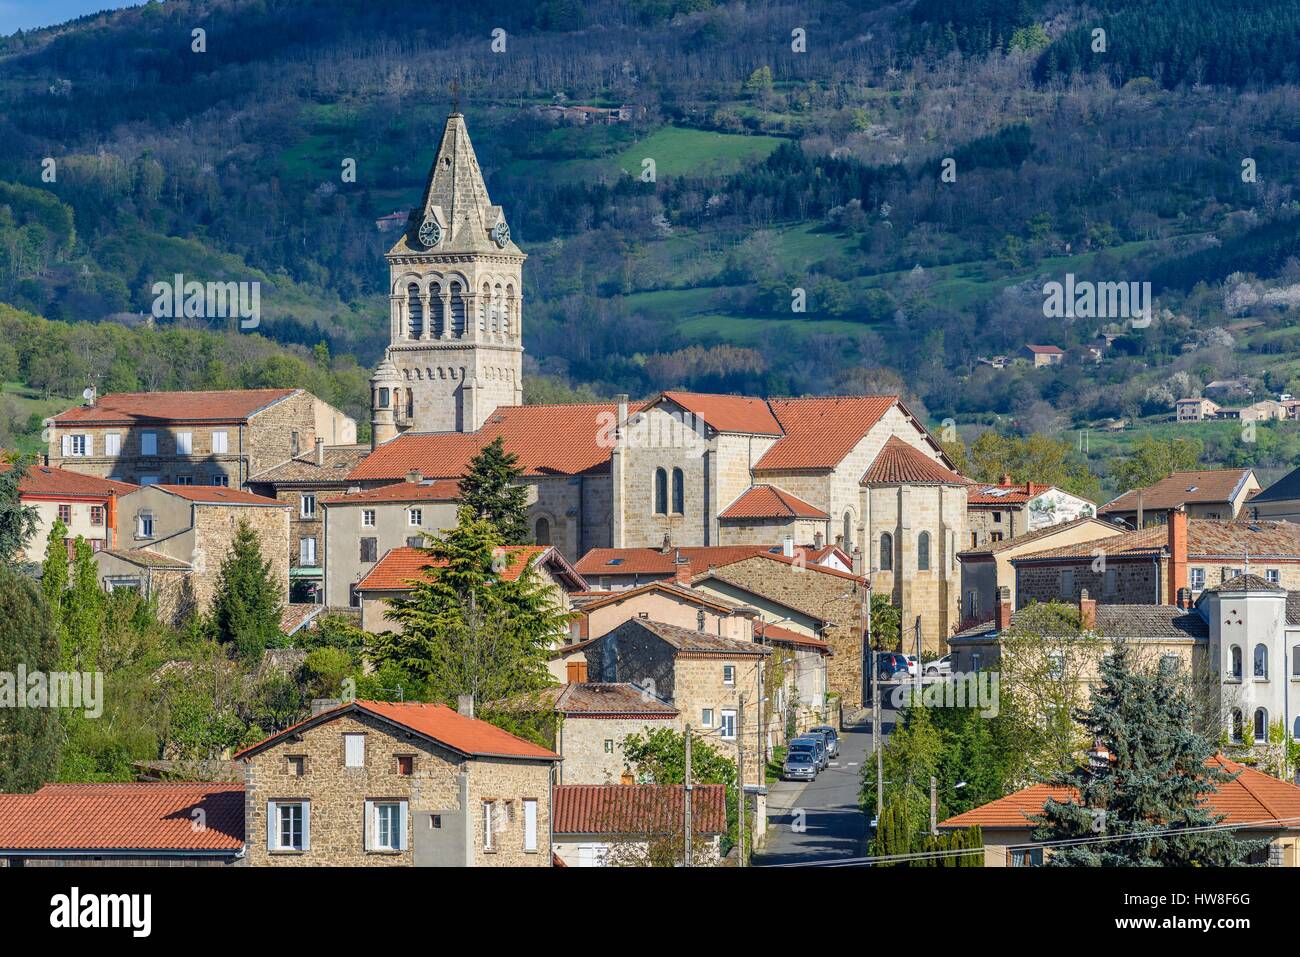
[832, 738]
[800, 765]
[912, 665]
[818, 744]
[940, 666]
[890, 665]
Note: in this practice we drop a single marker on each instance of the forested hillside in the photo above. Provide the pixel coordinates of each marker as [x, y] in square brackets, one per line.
[1168, 155]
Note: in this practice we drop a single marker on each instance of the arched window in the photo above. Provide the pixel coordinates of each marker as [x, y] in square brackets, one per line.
[410, 404]
[1261, 661]
[848, 531]
[1261, 725]
[542, 532]
[923, 552]
[437, 315]
[661, 492]
[414, 312]
[1236, 725]
[457, 300]
[679, 492]
[886, 552]
[1236, 662]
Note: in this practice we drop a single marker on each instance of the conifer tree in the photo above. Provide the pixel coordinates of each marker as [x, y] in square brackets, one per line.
[1153, 787]
[490, 489]
[29, 736]
[248, 604]
[83, 616]
[54, 582]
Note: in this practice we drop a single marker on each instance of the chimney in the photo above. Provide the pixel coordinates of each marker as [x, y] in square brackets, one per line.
[1139, 515]
[622, 414]
[819, 540]
[1185, 598]
[1087, 611]
[321, 705]
[682, 570]
[1177, 551]
[576, 671]
[787, 546]
[1004, 608]
[414, 476]
[465, 705]
[320, 452]
[1029, 488]
[1006, 479]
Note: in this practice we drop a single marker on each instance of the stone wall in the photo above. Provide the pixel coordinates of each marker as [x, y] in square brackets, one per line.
[1132, 581]
[592, 745]
[215, 528]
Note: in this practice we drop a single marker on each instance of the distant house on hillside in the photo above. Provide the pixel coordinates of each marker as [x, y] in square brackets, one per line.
[1042, 355]
[1195, 410]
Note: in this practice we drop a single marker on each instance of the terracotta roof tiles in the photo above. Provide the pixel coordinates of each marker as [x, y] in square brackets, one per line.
[768, 501]
[431, 490]
[819, 432]
[729, 413]
[1183, 488]
[401, 567]
[899, 463]
[219, 495]
[636, 808]
[42, 480]
[134, 408]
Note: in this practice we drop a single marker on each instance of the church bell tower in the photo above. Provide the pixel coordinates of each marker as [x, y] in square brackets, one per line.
[455, 348]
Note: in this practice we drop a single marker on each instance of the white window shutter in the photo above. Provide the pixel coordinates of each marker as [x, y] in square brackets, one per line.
[67, 445]
[90, 443]
[272, 825]
[401, 825]
[306, 825]
[370, 826]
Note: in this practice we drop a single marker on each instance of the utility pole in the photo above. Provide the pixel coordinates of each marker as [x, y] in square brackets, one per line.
[934, 805]
[919, 688]
[740, 779]
[880, 751]
[686, 801]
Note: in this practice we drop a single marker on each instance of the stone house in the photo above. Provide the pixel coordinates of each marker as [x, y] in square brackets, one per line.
[373, 783]
[995, 513]
[304, 482]
[86, 504]
[631, 824]
[1219, 494]
[192, 438]
[1256, 805]
[173, 539]
[1041, 356]
[1195, 410]
[123, 825]
[670, 602]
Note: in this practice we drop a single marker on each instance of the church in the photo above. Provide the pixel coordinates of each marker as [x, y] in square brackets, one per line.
[678, 469]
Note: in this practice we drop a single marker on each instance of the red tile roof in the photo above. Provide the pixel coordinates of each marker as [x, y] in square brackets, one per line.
[130, 408]
[1183, 488]
[765, 632]
[217, 495]
[103, 817]
[597, 699]
[436, 722]
[1005, 494]
[1233, 541]
[1046, 350]
[636, 808]
[901, 463]
[729, 413]
[43, 480]
[655, 561]
[768, 501]
[819, 432]
[666, 587]
[402, 566]
[1253, 798]
[435, 490]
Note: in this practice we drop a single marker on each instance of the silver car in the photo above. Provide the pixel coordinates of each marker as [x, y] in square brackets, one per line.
[818, 744]
[800, 765]
[832, 738]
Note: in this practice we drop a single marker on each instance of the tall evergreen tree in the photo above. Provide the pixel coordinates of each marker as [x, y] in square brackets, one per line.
[17, 521]
[490, 489]
[1152, 788]
[54, 581]
[247, 607]
[83, 617]
[29, 736]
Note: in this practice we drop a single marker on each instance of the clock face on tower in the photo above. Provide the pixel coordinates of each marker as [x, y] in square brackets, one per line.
[430, 233]
[501, 234]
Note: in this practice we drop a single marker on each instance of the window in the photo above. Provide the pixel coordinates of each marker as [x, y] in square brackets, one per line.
[923, 552]
[609, 745]
[1236, 725]
[148, 480]
[975, 659]
[220, 442]
[661, 492]
[77, 445]
[542, 532]
[415, 541]
[1056, 664]
[1111, 585]
[1295, 661]
[1261, 725]
[971, 604]
[113, 444]
[848, 532]
[297, 765]
[367, 518]
[995, 536]
[1196, 578]
[144, 525]
[728, 725]
[307, 506]
[530, 824]
[96, 515]
[1273, 576]
[1236, 662]
[489, 824]
[354, 750]
[184, 443]
[728, 674]
[369, 549]
[185, 480]
[405, 765]
[1067, 583]
[1261, 661]
[1026, 857]
[307, 552]
[1170, 664]
[386, 825]
[148, 443]
[65, 514]
[706, 717]
[289, 826]
[886, 552]
[383, 398]
[415, 517]
[679, 491]
[221, 479]
[354, 596]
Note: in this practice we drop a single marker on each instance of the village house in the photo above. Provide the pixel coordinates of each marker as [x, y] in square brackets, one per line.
[634, 825]
[998, 512]
[123, 825]
[1265, 410]
[192, 438]
[1255, 805]
[86, 504]
[1195, 410]
[174, 538]
[373, 783]
[1219, 494]
[1041, 356]
[303, 482]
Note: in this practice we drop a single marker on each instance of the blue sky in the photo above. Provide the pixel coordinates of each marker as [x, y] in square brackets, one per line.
[29, 14]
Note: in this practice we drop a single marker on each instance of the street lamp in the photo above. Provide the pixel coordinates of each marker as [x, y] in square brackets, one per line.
[934, 801]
